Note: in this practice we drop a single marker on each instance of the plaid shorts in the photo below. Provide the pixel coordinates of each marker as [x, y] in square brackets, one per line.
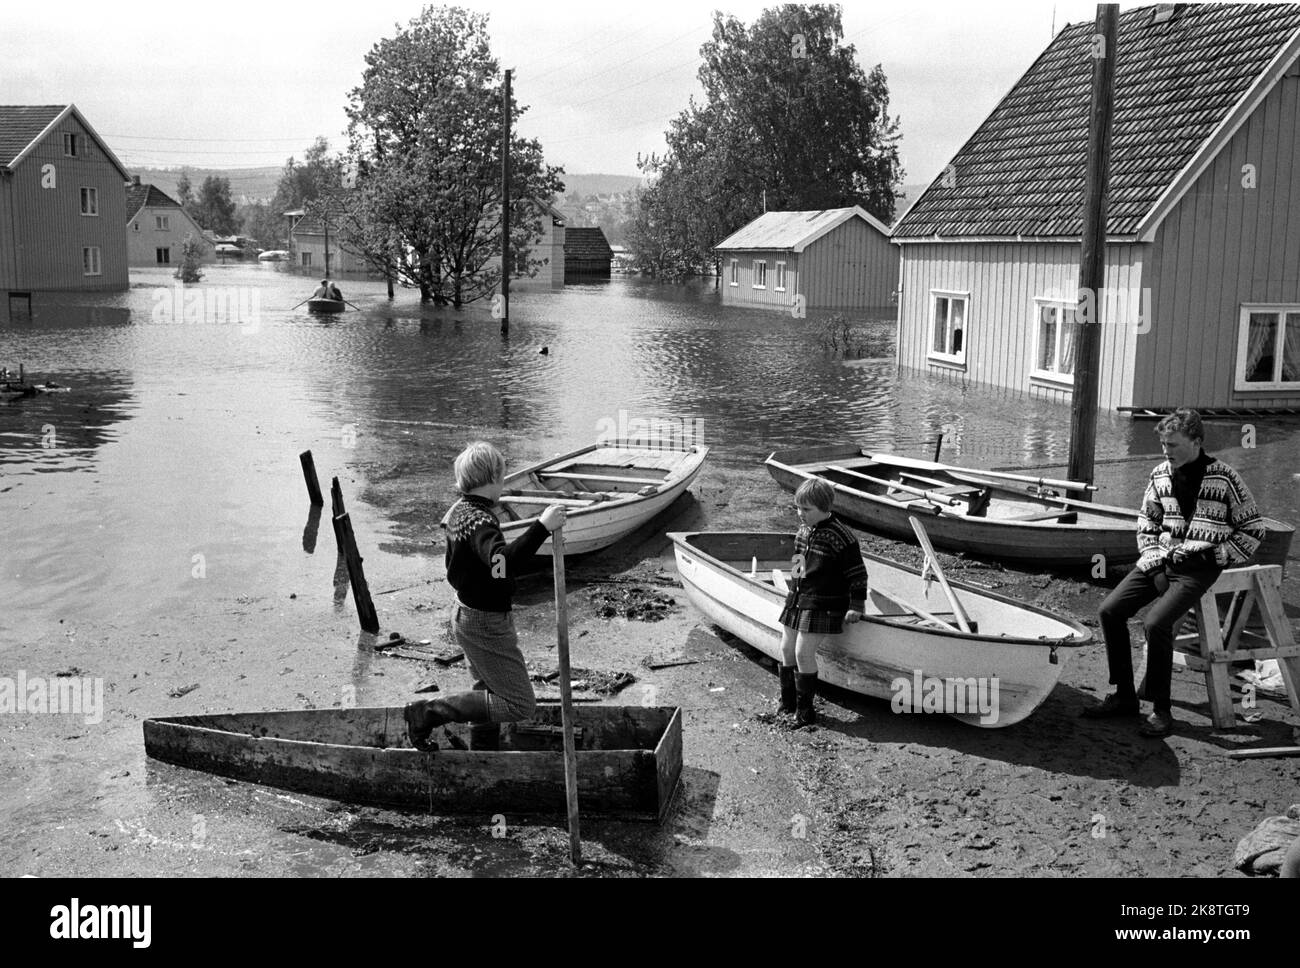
[491, 648]
[812, 620]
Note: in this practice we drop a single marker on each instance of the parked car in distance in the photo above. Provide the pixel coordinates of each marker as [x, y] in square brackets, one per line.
[274, 255]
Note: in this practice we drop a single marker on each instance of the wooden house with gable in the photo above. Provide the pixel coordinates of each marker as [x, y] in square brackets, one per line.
[839, 258]
[587, 254]
[158, 226]
[1201, 305]
[62, 207]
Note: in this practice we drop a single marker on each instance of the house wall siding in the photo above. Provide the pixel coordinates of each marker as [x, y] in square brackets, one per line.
[1224, 245]
[745, 294]
[852, 267]
[1003, 280]
[8, 257]
[49, 227]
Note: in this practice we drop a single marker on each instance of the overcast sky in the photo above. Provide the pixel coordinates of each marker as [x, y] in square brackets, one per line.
[242, 84]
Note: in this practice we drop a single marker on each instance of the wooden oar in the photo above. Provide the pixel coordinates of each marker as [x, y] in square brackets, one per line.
[902, 461]
[963, 619]
[566, 695]
[292, 308]
[353, 305]
[919, 613]
[928, 495]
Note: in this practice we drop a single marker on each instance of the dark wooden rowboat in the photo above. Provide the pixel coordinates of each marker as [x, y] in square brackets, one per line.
[326, 307]
[629, 758]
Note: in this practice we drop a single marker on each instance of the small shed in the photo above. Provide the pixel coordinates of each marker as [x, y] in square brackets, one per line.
[587, 254]
[837, 258]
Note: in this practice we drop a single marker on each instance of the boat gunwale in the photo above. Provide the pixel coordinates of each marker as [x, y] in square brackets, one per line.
[681, 539]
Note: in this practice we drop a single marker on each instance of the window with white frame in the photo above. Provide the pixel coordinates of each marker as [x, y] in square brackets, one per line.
[162, 223]
[1056, 336]
[780, 277]
[90, 201]
[1268, 348]
[948, 311]
[70, 144]
[90, 260]
[735, 272]
[760, 273]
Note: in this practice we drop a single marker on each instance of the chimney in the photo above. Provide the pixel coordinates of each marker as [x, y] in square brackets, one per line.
[135, 180]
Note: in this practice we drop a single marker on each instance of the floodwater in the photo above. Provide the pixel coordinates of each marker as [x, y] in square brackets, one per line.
[166, 482]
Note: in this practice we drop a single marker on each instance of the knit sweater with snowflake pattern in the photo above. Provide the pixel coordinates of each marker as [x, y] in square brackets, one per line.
[480, 565]
[1225, 516]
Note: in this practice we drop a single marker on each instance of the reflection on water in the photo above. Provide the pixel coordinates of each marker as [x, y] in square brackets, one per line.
[180, 436]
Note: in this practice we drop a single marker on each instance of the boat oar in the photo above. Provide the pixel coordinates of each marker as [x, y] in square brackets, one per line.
[1039, 481]
[919, 613]
[928, 495]
[304, 302]
[353, 305]
[566, 694]
[963, 620]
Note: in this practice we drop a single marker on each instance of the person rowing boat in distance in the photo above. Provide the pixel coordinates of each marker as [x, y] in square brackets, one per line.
[335, 292]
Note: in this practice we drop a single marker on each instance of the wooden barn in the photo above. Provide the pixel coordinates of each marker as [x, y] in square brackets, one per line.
[157, 226]
[62, 207]
[1201, 305]
[587, 254]
[839, 258]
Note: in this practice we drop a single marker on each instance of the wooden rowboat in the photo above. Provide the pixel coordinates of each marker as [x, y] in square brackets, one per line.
[1014, 652]
[629, 758]
[609, 489]
[963, 511]
[325, 307]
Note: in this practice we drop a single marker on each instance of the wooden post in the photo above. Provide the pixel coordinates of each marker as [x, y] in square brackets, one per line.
[505, 207]
[309, 474]
[1092, 264]
[336, 499]
[360, 590]
[938, 446]
[566, 695]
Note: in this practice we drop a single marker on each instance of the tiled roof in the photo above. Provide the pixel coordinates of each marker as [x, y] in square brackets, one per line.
[1022, 172]
[792, 231]
[20, 124]
[140, 196]
[586, 244]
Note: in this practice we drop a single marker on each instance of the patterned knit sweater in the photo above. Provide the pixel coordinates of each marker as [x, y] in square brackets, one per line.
[1225, 518]
[480, 565]
[830, 575]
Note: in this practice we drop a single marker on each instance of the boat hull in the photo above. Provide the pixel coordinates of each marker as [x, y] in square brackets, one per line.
[1020, 647]
[629, 759]
[325, 307]
[601, 524]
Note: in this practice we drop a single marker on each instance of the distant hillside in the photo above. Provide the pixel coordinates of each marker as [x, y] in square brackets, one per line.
[246, 184]
[584, 185]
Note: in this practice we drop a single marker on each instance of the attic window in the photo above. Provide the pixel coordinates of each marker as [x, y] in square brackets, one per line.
[1163, 12]
[70, 144]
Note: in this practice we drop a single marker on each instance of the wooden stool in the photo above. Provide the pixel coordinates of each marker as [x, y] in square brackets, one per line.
[1214, 645]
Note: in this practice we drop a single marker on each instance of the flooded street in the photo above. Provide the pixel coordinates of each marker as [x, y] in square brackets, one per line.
[157, 534]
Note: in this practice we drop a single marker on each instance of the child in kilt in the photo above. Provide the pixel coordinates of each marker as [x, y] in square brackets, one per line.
[481, 567]
[828, 588]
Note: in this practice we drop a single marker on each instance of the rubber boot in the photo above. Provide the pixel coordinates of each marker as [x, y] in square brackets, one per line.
[787, 690]
[485, 736]
[805, 684]
[425, 715]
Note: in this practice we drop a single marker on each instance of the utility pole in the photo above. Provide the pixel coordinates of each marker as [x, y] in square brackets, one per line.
[1092, 262]
[505, 208]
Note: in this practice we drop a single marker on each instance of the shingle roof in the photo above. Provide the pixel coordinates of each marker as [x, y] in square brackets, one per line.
[20, 124]
[1022, 172]
[140, 196]
[586, 243]
[793, 231]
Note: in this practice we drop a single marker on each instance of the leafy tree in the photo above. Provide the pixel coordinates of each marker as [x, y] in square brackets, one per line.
[425, 127]
[191, 259]
[185, 191]
[215, 209]
[787, 111]
[259, 220]
[302, 183]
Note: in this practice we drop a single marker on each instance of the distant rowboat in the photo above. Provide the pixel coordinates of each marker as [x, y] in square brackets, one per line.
[609, 489]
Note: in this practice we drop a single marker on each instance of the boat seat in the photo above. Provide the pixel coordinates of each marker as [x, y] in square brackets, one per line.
[1060, 515]
[601, 477]
[545, 501]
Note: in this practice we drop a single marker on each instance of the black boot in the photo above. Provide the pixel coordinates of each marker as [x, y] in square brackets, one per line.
[787, 690]
[485, 736]
[805, 685]
[425, 715]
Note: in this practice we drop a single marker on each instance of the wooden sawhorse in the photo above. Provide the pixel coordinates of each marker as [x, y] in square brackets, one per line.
[1215, 644]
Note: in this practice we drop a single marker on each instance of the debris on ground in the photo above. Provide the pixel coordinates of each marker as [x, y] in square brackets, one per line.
[589, 680]
[666, 660]
[633, 602]
[180, 691]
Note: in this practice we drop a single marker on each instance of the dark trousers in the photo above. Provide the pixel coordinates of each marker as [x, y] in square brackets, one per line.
[1174, 588]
